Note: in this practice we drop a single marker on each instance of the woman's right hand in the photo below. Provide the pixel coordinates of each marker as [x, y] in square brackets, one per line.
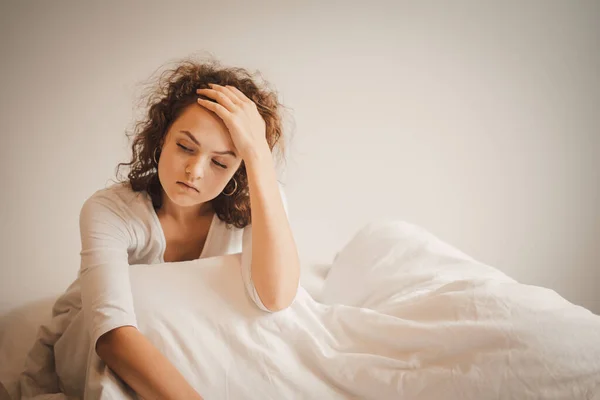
[142, 366]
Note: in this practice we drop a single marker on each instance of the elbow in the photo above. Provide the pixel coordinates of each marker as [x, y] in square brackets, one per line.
[103, 343]
[276, 306]
[103, 346]
[279, 302]
[106, 343]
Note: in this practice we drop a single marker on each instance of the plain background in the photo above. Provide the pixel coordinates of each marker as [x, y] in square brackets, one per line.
[478, 121]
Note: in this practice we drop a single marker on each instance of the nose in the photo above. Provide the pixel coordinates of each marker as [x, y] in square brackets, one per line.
[196, 168]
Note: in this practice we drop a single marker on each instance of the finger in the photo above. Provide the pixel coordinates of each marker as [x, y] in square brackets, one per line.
[220, 97]
[232, 95]
[244, 99]
[225, 90]
[238, 93]
[215, 107]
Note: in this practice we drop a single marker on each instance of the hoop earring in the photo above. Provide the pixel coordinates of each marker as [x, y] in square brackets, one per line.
[234, 189]
[154, 156]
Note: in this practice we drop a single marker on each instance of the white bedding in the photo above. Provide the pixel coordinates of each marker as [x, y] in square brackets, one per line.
[403, 316]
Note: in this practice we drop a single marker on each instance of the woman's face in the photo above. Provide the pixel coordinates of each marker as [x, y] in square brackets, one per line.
[197, 142]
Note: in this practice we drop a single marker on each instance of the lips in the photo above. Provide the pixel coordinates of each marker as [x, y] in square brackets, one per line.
[189, 185]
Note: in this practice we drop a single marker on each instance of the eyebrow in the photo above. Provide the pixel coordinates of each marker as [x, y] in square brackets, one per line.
[193, 139]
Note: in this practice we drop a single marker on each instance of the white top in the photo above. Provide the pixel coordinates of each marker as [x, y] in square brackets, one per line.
[119, 227]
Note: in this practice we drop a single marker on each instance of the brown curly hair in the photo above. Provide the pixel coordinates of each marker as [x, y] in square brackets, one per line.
[167, 98]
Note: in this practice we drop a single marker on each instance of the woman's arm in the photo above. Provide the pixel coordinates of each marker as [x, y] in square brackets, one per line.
[107, 303]
[142, 366]
[275, 267]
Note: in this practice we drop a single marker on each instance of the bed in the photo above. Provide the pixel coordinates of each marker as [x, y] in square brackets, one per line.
[398, 314]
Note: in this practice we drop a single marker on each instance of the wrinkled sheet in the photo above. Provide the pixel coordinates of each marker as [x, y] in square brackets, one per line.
[403, 316]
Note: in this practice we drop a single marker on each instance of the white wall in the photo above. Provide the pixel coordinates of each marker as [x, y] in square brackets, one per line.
[478, 122]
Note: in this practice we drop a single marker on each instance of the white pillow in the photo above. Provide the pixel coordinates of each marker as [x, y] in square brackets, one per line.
[189, 310]
[215, 280]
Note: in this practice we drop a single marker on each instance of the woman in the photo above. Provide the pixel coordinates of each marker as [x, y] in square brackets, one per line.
[202, 183]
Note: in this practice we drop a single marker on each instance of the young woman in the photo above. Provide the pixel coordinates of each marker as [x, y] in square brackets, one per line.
[202, 183]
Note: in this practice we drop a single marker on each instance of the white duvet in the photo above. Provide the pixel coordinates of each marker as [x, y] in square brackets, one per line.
[402, 316]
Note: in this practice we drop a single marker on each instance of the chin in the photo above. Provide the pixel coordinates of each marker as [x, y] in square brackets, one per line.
[181, 198]
[186, 198]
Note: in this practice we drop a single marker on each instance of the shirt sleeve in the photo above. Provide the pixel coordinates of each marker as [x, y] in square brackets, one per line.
[247, 258]
[106, 295]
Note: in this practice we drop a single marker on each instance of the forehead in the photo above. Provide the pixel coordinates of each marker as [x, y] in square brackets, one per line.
[204, 125]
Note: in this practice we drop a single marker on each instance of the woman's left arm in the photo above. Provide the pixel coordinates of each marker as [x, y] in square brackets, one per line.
[275, 266]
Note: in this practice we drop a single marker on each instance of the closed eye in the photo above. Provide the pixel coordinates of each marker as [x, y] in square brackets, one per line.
[184, 148]
[190, 151]
[219, 164]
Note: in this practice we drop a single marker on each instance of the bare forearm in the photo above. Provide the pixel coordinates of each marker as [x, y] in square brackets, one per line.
[275, 261]
[142, 366]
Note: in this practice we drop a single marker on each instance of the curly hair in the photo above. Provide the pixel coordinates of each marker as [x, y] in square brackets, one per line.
[167, 98]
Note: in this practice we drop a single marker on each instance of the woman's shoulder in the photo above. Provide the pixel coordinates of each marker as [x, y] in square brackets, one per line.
[119, 198]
